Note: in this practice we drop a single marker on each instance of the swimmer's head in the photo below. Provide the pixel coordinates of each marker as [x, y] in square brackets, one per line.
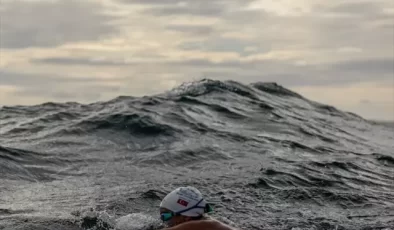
[182, 205]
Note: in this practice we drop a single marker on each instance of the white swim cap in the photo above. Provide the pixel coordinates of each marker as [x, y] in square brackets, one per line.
[187, 201]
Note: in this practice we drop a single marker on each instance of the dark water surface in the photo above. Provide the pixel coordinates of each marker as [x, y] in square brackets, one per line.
[266, 157]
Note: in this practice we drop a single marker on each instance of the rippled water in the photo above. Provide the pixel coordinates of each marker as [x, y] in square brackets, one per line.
[266, 157]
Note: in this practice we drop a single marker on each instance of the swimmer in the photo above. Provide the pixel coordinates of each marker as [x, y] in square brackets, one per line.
[185, 209]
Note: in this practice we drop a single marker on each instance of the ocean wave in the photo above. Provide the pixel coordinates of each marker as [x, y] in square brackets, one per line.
[268, 157]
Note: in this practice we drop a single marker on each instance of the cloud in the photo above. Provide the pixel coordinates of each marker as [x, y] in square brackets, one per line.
[200, 10]
[82, 61]
[94, 94]
[51, 23]
[338, 73]
[356, 8]
[201, 63]
[219, 44]
[380, 97]
[287, 72]
[8, 78]
[185, 2]
[27, 88]
[163, 2]
[56, 87]
[191, 29]
[360, 24]
[207, 8]
[371, 67]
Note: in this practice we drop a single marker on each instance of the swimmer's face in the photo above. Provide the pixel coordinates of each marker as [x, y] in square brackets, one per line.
[174, 220]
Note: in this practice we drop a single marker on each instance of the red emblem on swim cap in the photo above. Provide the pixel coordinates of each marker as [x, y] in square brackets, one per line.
[182, 202]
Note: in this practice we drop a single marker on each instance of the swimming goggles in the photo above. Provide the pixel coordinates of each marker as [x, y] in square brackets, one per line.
[166, 216]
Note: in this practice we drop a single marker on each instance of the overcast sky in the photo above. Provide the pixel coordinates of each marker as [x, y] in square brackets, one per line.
[338, 52]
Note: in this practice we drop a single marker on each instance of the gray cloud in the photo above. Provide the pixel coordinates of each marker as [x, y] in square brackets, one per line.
[331, 25]
[183, 2]
[362, 24]
[199, 62]
[81, 61]
[356, 8]
[341, 72]
[367, 66]
[77, 94]
[22, 79]
[218, 44]
[208, 8]
[56, 87]
[197, 9]
[249, 17]
[338, 73]
[191, 29]
[196, 62]
[159, 2]
[50, 23]
[306, 76]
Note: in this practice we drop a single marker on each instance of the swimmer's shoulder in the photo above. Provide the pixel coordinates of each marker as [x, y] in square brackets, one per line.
[210, 224]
